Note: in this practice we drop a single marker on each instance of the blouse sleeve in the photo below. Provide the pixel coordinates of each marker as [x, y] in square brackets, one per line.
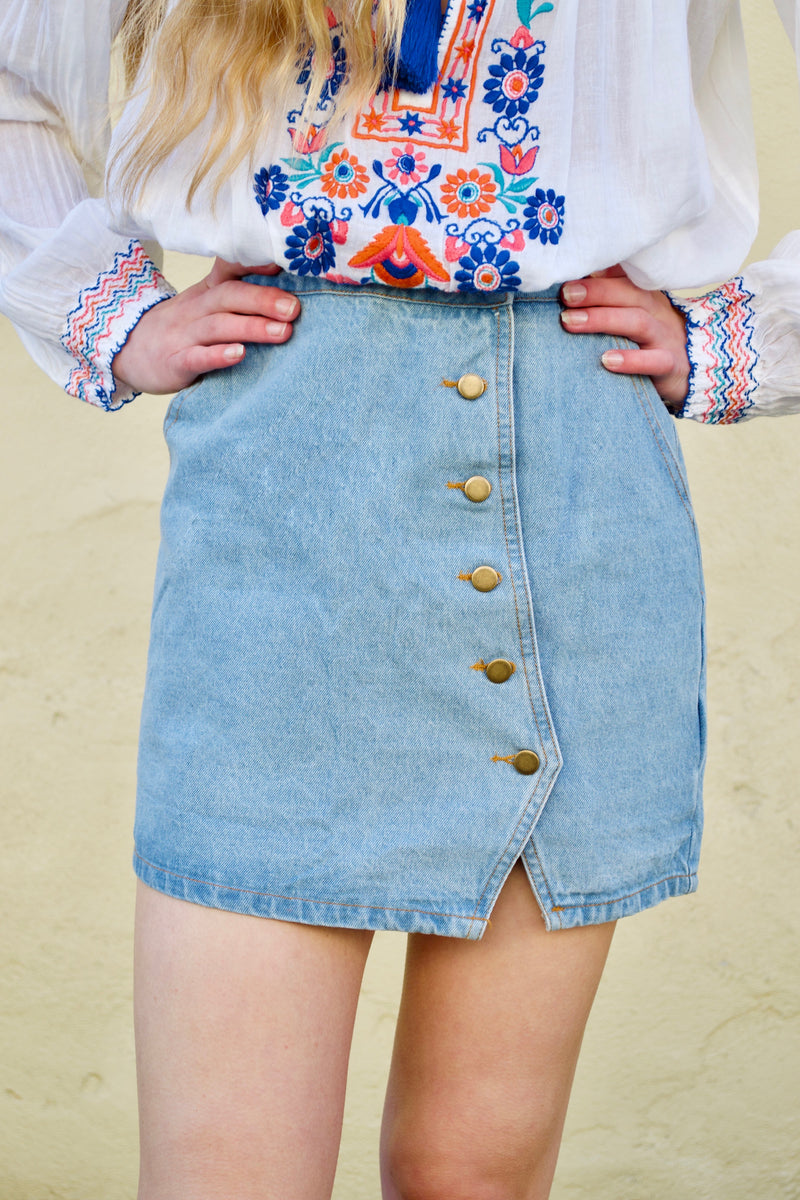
[743, 339]
[72, 287]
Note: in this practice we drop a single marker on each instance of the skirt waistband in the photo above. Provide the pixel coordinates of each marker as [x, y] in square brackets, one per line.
[308, 283]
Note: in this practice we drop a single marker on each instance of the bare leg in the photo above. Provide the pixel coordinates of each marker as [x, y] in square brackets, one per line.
[486, 1046]
[243, 1029]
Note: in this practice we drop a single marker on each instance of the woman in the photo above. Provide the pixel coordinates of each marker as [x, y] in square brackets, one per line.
[350, 722]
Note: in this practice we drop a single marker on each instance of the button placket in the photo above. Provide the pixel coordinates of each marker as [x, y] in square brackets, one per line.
[477, 489]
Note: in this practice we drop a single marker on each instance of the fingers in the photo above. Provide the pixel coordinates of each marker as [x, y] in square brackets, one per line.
[234, 296]
[662, 367]
[230, 327]
[639, 362]
[204, 328]
[223, 270]
[194, 361]
[633, 323]
[610, 291]
[610, 303]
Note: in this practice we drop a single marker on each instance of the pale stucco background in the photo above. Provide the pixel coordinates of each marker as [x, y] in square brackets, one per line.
[688, 1084]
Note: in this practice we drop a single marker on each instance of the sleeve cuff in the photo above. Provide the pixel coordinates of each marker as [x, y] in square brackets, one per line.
[99, 324]
[722, 358]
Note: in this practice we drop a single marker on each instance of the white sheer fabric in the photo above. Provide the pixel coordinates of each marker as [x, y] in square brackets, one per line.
[641, 124]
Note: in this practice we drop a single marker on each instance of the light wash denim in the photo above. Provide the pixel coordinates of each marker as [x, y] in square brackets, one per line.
[319, 741]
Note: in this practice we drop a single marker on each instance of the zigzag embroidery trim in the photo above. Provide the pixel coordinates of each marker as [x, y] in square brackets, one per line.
[102, 319]
[723, 359]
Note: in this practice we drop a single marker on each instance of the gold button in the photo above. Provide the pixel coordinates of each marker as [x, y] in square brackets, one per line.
[499, 670]
[526, 762]
[485, 578]
[477, 489]
[471, 386]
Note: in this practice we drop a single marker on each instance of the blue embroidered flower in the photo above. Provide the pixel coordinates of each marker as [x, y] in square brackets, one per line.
[309, 247]
[337, 68]
[454, 89]
[410, 123]
[515, 82]
[270, 187]
[476, 10]
[487, 268]
[545, 213]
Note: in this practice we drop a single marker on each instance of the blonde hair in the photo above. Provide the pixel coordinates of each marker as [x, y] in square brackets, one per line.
[240, 58]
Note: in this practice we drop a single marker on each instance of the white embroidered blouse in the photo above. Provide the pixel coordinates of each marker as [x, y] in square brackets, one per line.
[560, 138]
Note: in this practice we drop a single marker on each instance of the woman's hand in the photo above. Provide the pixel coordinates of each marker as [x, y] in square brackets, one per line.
[609, 303]
[203, 328]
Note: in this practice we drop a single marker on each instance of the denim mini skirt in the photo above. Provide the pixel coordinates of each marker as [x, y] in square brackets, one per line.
[428, 601]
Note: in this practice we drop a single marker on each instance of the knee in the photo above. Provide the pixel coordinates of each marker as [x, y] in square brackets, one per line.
[425, 1167]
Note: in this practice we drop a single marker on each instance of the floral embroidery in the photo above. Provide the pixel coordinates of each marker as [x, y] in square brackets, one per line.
[411, 123]
[545, 213]
[487, 269]
[396, 191]
[441, 117]
[454, 89]
[406, 164]
[515, 82]
[400, 256]
[309, 247]
[468, 194]
[512, 88]
[337, 68]
[270, 187]
[405, 202]
[315, 226]
[343, 176]
[483, 251]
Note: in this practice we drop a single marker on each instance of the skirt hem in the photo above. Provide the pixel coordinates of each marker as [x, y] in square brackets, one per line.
[336, 914]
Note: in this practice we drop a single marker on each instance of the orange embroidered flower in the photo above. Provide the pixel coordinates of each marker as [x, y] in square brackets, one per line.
[448, 130]
[373, 121]
[468, 194]
[343, 176]
[465, 51]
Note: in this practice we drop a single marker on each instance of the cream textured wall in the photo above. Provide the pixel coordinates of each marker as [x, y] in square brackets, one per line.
[688, 1083]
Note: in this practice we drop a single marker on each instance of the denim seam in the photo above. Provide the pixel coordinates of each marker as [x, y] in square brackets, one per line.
[509, 368]
[628, 895]
[537, 664]
[683, 494]
[531, 625]
[704, 733]
[171, 417]
[672, 467]
[361, 293]
[303, 899]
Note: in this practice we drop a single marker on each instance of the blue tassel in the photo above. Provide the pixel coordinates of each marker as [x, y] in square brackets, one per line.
[419, 47]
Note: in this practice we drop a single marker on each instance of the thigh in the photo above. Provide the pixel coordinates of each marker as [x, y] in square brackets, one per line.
[487, 1041]
[243, 1028]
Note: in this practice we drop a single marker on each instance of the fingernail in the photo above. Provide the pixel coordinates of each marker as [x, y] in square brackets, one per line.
[275, 328]
[573, 293]
[612, 358]
[574, 318]
[233, 352]
[286, 307]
